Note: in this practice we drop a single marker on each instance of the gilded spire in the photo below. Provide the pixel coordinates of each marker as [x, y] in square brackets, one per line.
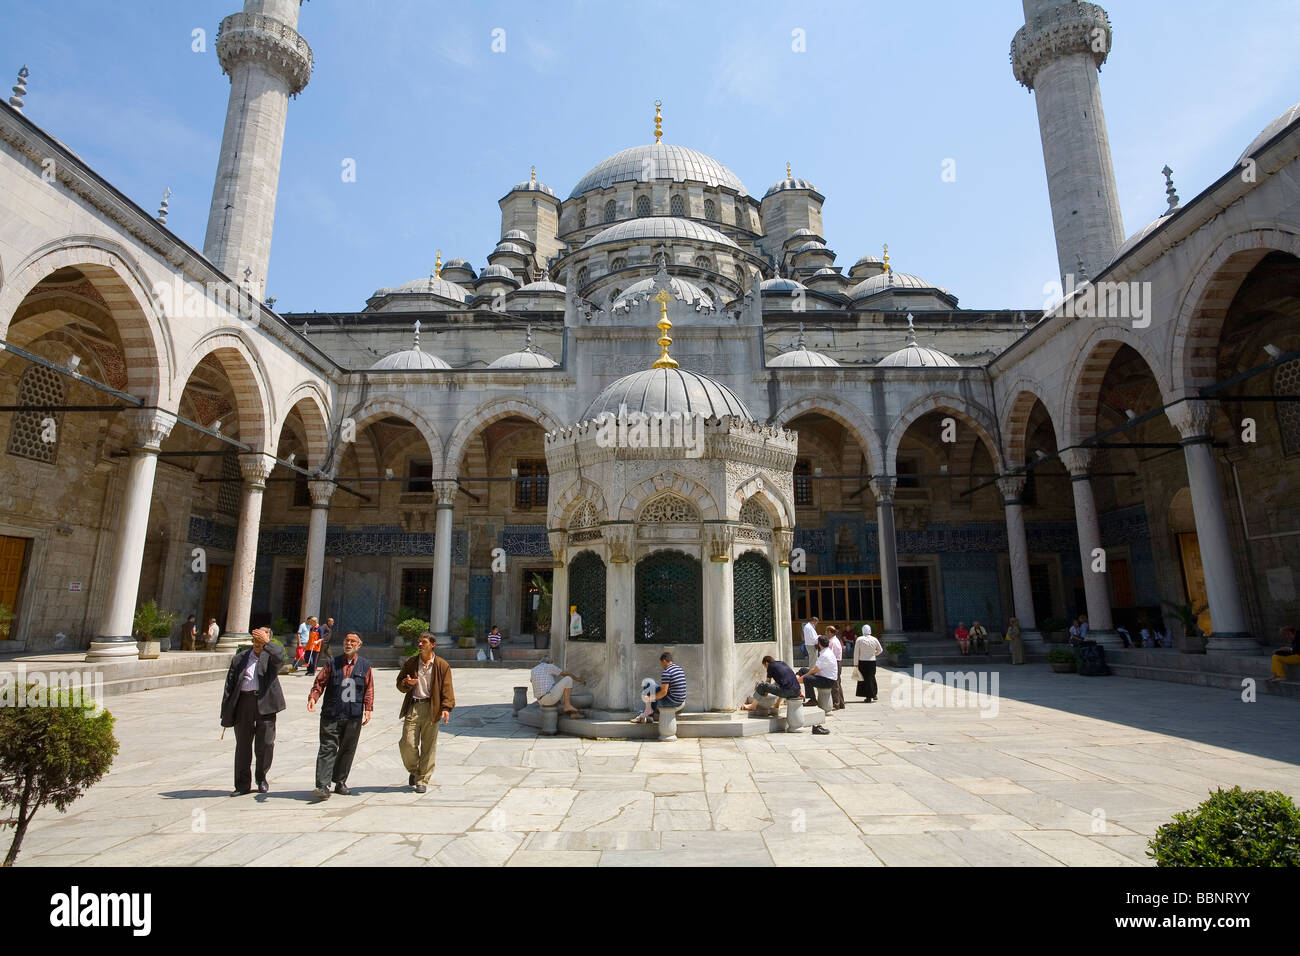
[787, 172]
[437, 266]
[665, 360]
[659, 120]
[532, 174]
[886, 258]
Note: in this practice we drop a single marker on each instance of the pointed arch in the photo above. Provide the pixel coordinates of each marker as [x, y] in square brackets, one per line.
[1083, 384]
[942, 402]
[248, 380]
[313, 410]
[572, 497]
[1015, 418]
[847, 415]
[670, 481]
[776, 501]
[390, 406]
[486, 414]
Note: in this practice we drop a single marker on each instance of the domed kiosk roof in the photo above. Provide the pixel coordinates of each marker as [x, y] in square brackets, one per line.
[668, 390]
[677, 163]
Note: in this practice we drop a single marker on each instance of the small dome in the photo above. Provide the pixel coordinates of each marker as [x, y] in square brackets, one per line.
[430, 286]
[659, 227]
[534, 187]
[913, 355]
[409, 359]
[893, 282]
[868, 260]
[790, 184]
[497, 272]
[505, 246]
[1272, 129]
[458, 264]
[802, 357]
[524, 358]
[826, 271]
[517, 235]
[681, 289]
[811, 246]
[668, 390]
[781, 284]
[541, 285]
[677, 163]
[1134, 239]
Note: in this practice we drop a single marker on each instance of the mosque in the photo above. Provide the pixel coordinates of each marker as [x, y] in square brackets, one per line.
[872, 452]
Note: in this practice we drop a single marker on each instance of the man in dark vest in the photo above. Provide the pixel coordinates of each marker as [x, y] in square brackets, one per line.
[348, 683]
[252, 699]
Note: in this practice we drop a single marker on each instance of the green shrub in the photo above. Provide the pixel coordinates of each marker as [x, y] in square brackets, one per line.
[51, 755]
[1054, 624]
[895, 647]
[1060, 655]
[410, 630]
[6, 619]
[152, 623]
[282, 625]
[1232, 828]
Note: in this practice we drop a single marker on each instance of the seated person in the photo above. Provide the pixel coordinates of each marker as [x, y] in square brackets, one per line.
[824, 673]
[671, 691]
[979, 638]
[1290, 654]
[781, 682]
[552, 685]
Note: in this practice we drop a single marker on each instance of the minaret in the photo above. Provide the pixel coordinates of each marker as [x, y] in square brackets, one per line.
[268, 61]
[1057, 54]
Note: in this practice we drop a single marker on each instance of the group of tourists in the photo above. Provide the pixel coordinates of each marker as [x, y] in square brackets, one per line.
[313, 642]
[190, 640]
[345, 689]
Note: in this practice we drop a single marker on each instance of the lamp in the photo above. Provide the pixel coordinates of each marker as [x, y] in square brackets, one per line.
[1273, 351]
[388, 474]
[292, 456]
[216, 426]
[73, 362]
[1130, 414]
[1040, 454]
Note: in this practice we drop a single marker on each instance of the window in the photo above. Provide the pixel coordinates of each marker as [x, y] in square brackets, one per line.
[751, 600]
[611, 210]
[587, 591]
[702, 262]
[229, 492]
[642, 206]
[530, 489]
[417, 589]
[839, 599]
[35, 435]
[619, 263]
[1286, 381]
[803, 483]
[907, 473]
[301, 493]
[710, 210]
[582, 219]
[669, 600]
[419, 476]
[677, 206]
[582, 276]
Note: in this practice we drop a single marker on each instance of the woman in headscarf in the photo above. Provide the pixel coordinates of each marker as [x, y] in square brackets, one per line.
[1016, 642]
[865, 651]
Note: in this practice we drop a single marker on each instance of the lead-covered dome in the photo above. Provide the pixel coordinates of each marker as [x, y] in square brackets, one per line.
[667, 390]
[1268, 132]
[913, 355]
[409, 359]
[659, 227]
[677, 163]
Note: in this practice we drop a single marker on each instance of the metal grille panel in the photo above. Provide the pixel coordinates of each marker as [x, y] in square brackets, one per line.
[587, 591]
[752, 609]
[39, 386]
[669, 599]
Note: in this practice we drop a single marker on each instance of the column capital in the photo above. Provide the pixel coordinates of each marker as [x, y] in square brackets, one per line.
[619, 537]
[1078, 461]
[446, 492]
[558, 541]
[150, 427]
[256, 468]
[321, 490]
[719, 538]
[883, 488]
[1193, 418]
[1011, 487]
[783, 539]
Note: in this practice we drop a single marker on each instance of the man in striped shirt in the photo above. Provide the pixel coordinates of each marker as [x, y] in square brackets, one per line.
[672, 685]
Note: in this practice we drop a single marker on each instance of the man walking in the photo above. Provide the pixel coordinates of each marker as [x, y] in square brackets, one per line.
[251, 700]
[326, 632]
[348, 683]
[304, 629]
[810, 639]
[426, 682]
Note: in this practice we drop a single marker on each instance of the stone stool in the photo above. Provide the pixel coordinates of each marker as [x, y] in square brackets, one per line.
[765, 705]
[824, 699]
[794, 714]
[582, 699]
[521, 699]
[668, 722]
[550, 719]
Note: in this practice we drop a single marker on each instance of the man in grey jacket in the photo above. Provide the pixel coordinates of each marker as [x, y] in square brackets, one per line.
[251, 700]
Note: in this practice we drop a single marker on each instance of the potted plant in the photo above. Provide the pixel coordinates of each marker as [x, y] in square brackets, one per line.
[1232, 828]
[1063, 660]
[897, 651]
[409, 631]
[152, 626]
[6, 620]
[542, 635]
[466, 629]
[1184, 613]
[1054, 629]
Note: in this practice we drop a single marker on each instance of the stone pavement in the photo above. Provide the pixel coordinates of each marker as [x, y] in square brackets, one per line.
[1071, 771]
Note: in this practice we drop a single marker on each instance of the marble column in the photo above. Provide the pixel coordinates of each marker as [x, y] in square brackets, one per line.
[559, 598]
[1022, 594]
[256, 468]
[784, 540]
[1193, 419]
[314, 572]
[115, 640]
[719, 620]
[883, 489]
[441, 610]
[619, 690]
[1096, 584]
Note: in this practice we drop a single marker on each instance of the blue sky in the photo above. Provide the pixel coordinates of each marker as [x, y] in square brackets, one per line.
[440, 126]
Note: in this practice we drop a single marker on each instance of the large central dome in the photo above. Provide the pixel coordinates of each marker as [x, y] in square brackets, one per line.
[658, 161]
[668, 390]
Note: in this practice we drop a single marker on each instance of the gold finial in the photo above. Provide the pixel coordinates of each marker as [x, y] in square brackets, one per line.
[886, 258]
[665, 360]
[437, 266]
[659, 120]
[532, 175]
[787, 172]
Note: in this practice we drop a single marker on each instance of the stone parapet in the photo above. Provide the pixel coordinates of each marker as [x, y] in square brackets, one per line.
[280, 48]
[1057, 32]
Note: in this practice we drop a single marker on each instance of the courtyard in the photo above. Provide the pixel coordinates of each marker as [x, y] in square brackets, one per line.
[1069, 771]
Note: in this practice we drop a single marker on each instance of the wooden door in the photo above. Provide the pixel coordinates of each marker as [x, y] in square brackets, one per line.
[215, 591]
[1194, 578]
[13, 553]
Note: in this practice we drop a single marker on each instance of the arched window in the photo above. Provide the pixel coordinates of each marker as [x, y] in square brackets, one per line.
[702, 262]
[611, 210]
[710, 210]
[642, 206]
[582, 218]
[587, 591]
[618, 263]
[677, 206]
[753, 619]
[582, 277]
[669, 599]
[1286, 381]
[36, 435]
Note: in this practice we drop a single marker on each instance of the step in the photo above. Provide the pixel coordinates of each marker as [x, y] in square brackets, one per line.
[1203, 678]
[606, 725]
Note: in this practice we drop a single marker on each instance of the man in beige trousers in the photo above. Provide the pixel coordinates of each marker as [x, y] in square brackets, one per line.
[426, 682]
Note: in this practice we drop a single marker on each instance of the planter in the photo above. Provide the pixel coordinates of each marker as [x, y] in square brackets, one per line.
[542, 640]
[468, 643]
[899, 660]
[149, 650]
[164, 644]
[1062, 668]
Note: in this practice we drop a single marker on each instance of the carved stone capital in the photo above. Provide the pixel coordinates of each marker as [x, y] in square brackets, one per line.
[883, 488]
[321, 490]
[150, 427]
[619, 537]
[1078, 461]
[1011, 486]
[445, 492]
[1193, 419]
[720, 538]
[558, 541]
[256, 468]
[277, 46]
[783, 541]
[1056, 32]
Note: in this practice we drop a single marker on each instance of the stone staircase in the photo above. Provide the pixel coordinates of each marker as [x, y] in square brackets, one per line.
[110, 678]
[1205, 670]
[520, 658]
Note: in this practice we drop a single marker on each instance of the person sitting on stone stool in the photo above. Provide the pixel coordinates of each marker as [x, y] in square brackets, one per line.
[552, 685]
[781, 683]
[671, 692]
[822, 674]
